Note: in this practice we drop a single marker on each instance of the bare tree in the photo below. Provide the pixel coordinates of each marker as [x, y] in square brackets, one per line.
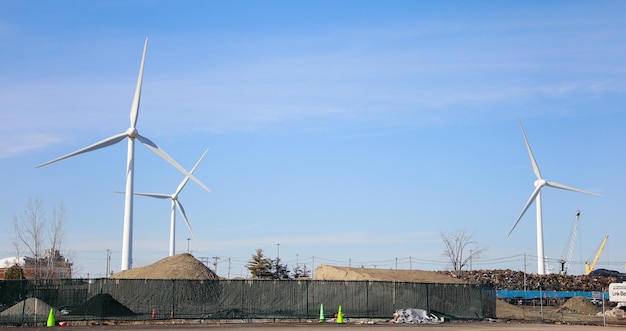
[55, 237]
[455, 247]
[34, 232]
[29, 230]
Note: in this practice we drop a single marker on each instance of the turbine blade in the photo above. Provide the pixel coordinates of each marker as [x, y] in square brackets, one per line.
[181, 185]
[101, 144]
[182, 211]
[565, 187]
[530, 153]
[199, 160]
[154, 195]
[528, 203]
[134, 108]
[186, 179]
[153, 147]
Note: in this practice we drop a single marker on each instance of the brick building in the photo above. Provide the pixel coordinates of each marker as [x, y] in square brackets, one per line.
[50, 266]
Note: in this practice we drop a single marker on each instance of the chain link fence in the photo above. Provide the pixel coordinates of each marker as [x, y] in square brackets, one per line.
[29, 302]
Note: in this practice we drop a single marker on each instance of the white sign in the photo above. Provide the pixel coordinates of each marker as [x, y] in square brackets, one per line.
[617, 292]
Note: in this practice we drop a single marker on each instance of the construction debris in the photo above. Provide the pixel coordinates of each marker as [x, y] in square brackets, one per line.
[516, 280]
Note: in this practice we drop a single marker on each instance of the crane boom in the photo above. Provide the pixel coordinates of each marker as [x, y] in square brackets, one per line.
[572, 245]
[588, 268]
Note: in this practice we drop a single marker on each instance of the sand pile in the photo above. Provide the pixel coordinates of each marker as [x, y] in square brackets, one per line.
[327, 272]
[507, 310]
[580, 305]
[179, 266]
[27, 308]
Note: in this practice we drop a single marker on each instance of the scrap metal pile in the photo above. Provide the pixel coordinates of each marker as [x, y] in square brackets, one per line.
[518, 280]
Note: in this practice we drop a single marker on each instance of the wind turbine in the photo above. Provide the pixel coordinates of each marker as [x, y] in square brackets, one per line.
[131, 133]
[536, 197]
[176, 204]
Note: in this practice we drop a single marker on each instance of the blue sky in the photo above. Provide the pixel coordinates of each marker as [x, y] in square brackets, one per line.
[348, 132]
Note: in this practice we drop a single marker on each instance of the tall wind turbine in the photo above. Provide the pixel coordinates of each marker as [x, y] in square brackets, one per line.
[176, 204]
[536, 197]
[131, 133]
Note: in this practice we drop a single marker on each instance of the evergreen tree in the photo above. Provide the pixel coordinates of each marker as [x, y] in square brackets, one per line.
[260, 267]
[14, 272]
[301, 272]
[280, 271]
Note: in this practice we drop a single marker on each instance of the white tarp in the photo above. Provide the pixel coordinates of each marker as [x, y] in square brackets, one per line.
[11, 261]
[415, 316]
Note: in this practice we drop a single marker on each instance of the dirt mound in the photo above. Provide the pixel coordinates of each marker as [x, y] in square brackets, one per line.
[179, 266]
[27, 308]
[327, 272]
[580, 305]
[103, 305]
[507, 310]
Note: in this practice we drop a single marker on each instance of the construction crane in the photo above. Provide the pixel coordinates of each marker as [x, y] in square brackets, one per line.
[572, 245]
[588, 268]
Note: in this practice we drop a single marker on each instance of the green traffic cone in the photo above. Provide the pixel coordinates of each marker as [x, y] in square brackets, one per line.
[340, 316]
[51, 318]
[322, 318]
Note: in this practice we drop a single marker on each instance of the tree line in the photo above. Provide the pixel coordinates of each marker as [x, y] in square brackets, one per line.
[262, 267]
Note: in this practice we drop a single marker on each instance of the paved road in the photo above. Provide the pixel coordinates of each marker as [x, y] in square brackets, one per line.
[452, 326]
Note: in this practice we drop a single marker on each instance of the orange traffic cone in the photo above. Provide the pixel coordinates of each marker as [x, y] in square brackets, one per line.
[153, 313]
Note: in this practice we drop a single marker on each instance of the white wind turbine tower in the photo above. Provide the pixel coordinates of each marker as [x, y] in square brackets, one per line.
[176, 204]
[536, 197]
[131, 133]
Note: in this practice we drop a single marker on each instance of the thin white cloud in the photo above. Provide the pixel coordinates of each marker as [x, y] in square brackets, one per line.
[14, 144]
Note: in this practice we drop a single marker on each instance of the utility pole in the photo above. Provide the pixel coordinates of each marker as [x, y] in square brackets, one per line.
[215, 258]
[524, 271]
[188, 245]
[108, 263]
[205, 260]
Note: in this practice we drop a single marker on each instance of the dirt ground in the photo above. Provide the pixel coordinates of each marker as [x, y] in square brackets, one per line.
[473, 326]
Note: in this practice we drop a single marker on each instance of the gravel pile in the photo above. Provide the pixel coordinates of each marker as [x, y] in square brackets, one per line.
[103, 305]
[179, 266]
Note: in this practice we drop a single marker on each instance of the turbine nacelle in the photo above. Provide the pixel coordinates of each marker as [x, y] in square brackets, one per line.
[540, 183]
[132, 133]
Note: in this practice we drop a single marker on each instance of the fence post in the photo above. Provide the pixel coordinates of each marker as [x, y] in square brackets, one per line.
[243, 288]
[427, 298]
[306, 293]
[367, 299]
[173, 295]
